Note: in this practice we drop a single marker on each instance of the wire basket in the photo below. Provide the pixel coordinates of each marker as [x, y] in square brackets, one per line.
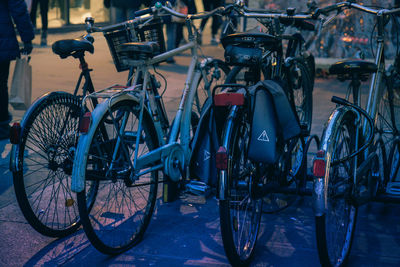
[133, 33]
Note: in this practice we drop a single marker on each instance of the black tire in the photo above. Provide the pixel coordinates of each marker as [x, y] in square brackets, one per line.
[45, 156]
[239, 238]
[216, 72]
[335, 228]
[122, 210]
[394, 162]
[301, 85]
[386, 123]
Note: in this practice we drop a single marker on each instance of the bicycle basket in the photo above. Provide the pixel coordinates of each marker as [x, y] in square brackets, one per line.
[133, 33]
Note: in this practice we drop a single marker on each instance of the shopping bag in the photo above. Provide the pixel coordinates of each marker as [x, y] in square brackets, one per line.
[21, 85]
[29, 5]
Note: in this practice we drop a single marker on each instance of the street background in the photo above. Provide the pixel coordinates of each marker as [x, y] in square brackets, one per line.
[185, 232]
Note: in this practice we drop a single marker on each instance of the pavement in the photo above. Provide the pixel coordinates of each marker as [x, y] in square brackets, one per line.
[184, 232]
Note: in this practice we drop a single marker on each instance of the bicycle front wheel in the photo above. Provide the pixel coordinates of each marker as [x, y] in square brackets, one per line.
[116, 214]
[335, 228]
[214, 72]
[301, 86]
[240, 212]
[45, 156]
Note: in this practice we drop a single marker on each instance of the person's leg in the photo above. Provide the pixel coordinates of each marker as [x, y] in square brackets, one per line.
[216, 22]
[4, 115]
[207, 7]
[171, 38]
[33, 12]
[44, 9]
[179, 34]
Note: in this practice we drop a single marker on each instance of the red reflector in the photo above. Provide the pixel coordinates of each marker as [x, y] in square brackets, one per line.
[319, 164]
[229, 99]
[221, 159]
[15, 133]
[84, 122]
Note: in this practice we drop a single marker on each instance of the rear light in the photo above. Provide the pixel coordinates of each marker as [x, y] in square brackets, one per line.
[221, 159]
[84, 122]
[319, 164]
[229, 99]
[15, 133]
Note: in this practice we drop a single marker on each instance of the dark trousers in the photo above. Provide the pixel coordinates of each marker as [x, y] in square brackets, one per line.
[44, 8]
[216, 20]
[4, 72]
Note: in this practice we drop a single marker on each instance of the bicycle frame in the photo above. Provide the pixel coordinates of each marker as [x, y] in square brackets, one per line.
[170, 149]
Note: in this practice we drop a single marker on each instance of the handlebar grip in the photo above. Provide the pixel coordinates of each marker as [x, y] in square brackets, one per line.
[340, 101]
[143, 12]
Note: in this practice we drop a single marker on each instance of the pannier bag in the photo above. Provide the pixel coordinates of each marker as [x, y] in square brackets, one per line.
[205, 143]
[273, 116]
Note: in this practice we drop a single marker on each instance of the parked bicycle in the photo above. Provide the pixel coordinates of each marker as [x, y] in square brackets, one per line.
[123, 142]
[43, 150]
[352, 166]
[263, 154]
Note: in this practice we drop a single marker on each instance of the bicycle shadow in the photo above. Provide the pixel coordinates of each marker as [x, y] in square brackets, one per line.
[183, 232]
[287, 238]
[377, 236]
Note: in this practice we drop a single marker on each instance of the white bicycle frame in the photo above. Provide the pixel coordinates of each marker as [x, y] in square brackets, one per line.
[171, 152]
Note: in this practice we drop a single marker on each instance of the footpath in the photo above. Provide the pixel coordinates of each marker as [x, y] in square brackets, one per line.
[185, 232]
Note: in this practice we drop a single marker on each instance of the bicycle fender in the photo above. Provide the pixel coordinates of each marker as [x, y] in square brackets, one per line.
[14, 165]
[222, 174]
[320, 194]
[82, 150]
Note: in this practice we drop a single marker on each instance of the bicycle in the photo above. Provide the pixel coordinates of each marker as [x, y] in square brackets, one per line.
[351, 167]
[123, 144]
[247, 183]
[43, 148]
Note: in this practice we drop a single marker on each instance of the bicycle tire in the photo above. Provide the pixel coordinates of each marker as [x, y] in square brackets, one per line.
[45, 157]
[386, 122]
[335, 228]
[300, 92]
[216, 71]
[239, 239]
[394, 162]
[122, 209]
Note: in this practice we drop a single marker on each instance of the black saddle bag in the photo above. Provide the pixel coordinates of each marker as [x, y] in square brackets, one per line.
[272, 117]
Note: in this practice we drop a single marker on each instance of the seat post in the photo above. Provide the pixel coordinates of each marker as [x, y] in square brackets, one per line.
[355, 85]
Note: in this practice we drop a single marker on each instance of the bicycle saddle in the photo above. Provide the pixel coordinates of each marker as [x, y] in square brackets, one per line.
[353, 66]
[251, 40]
[72, 47]
[143, 50]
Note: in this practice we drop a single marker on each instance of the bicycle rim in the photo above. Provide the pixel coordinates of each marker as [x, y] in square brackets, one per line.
[45, 156]
[335, 229]
[240, 213]
[122, 208]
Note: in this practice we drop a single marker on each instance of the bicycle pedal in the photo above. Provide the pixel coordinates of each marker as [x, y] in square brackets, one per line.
[393, 188]
[198, 188]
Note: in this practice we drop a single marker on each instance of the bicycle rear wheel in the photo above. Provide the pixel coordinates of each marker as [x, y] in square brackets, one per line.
[45, 156]
[123, 205]
[240, 212]
[335, 228]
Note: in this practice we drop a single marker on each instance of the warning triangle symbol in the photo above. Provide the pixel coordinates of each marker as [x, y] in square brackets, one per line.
[263, 137]
[206, 155]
